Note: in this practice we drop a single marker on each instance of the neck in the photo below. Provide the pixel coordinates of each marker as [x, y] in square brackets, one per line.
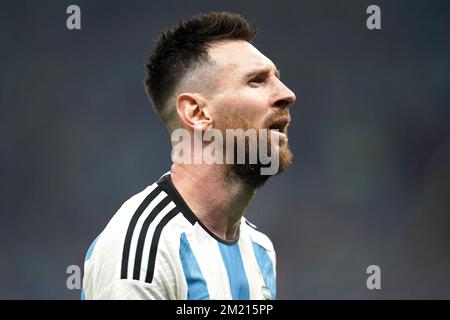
[217, 199]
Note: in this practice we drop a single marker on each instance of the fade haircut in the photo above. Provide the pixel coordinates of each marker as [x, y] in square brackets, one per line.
[182, 49]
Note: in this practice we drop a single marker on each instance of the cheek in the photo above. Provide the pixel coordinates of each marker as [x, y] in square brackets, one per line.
[249, 106]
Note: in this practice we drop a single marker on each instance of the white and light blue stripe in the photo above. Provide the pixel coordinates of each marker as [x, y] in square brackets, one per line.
[266, 267]
[241, 271]
[232, 258]
[197, 288]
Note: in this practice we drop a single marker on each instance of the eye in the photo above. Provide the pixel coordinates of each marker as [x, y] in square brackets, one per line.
[256, 81]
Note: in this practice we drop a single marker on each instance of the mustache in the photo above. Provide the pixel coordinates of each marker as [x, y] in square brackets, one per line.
[276, 117]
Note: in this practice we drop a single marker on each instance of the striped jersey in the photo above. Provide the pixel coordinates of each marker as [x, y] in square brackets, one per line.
[155, 247]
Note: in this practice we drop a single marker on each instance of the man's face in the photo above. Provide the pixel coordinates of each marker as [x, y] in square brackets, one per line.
[249, 93]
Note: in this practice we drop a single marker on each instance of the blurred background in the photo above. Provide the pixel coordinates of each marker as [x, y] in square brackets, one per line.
[370, 184]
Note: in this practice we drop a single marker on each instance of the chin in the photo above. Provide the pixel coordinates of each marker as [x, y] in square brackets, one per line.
[250, 174]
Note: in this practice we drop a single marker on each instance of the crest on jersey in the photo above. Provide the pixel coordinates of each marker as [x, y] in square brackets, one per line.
[266, 293]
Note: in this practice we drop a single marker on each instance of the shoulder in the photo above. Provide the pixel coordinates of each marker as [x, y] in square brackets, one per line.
[256, 235]
[114, 234]
[142, 214]
[139, 245]
[146, 230]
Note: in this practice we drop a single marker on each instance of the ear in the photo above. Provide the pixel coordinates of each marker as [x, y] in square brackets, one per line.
[193, 112]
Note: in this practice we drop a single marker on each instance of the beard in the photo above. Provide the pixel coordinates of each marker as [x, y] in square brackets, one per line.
[247, 172]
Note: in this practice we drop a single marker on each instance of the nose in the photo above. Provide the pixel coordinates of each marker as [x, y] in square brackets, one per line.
[283, 97]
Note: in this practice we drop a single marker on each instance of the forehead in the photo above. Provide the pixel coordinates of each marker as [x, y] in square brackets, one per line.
[238, 56]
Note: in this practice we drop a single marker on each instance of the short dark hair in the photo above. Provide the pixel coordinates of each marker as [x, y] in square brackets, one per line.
[183, 47]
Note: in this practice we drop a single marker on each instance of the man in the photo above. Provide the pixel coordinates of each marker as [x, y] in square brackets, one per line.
[185, 237]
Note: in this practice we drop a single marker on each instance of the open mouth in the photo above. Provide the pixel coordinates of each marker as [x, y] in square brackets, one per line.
[280, 125]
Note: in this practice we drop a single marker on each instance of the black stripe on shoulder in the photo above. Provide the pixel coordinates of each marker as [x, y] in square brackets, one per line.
[143, 234]
[126, 247]
[166, 184]
[251, 224]
[155, 240]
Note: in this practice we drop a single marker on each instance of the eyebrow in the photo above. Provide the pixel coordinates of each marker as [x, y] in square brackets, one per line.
[262, 72]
